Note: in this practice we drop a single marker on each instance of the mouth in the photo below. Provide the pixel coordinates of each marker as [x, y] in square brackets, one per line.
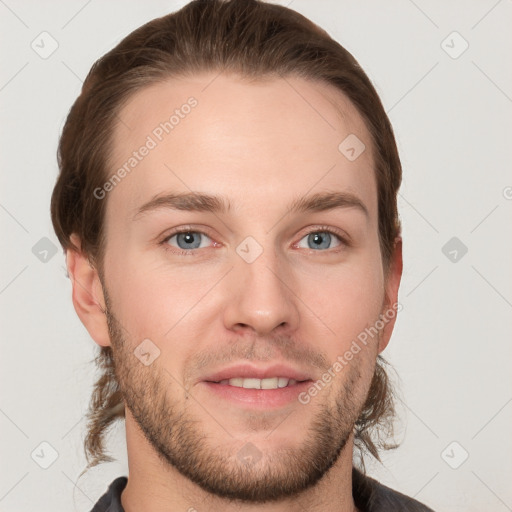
[250, 385]
[254, 383]
[263, 394]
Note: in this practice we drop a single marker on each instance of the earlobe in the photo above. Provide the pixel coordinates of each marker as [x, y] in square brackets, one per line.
[87, 295]
[391, 305]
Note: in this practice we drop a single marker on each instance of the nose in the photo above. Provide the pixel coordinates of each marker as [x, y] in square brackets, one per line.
[261, 297]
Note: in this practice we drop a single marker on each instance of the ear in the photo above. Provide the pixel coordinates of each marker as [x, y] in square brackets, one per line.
[88, 298]
[391, 304]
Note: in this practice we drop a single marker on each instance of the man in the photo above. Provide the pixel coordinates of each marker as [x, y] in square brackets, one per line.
[227, 203]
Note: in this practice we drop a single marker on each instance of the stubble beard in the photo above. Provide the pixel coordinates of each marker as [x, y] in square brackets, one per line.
[179, 439]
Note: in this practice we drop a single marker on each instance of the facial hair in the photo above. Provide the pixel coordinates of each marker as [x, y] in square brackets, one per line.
[179, 439]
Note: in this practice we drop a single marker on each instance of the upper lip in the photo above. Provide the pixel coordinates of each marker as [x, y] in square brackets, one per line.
[248, 371]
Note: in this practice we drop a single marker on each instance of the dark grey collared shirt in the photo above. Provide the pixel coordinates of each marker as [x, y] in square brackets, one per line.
[369, 496]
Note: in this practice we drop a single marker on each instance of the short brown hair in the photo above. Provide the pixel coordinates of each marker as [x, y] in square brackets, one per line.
[254, 39]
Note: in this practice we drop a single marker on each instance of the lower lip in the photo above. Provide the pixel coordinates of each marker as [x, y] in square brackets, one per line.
[260, 398]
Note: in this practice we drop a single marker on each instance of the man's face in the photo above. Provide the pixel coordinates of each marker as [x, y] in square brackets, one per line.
[258, 284]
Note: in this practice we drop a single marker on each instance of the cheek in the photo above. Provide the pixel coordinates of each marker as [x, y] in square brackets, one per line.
[161, 302]
[145, 301]
[348, 301]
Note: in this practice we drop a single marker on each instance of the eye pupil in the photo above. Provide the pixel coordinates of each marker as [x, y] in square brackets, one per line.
[320, 239]
[188, 237]
[187, 240]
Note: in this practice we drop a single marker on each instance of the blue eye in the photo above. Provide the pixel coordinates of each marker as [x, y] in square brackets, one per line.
[187, 240]
[320, 240]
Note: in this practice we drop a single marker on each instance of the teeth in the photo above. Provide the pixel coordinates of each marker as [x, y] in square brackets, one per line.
[251, 383]
[270, 383]
[283, 382]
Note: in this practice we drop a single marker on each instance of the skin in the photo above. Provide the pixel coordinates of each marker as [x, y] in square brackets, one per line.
[262, 145]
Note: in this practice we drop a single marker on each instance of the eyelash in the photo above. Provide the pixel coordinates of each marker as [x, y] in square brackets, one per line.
[321, 229]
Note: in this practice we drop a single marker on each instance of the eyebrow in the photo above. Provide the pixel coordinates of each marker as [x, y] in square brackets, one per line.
[199, 202]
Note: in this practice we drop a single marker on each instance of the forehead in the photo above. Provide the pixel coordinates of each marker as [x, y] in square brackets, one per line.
[258, 141]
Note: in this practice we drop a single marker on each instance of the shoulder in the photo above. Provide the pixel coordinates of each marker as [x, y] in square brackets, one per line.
[372, 496]
[111, 500]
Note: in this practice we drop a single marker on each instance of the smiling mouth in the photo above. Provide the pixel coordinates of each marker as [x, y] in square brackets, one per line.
[253, 383]
[261, 394]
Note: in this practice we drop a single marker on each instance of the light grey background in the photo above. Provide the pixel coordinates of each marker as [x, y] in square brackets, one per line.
[451, 347]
